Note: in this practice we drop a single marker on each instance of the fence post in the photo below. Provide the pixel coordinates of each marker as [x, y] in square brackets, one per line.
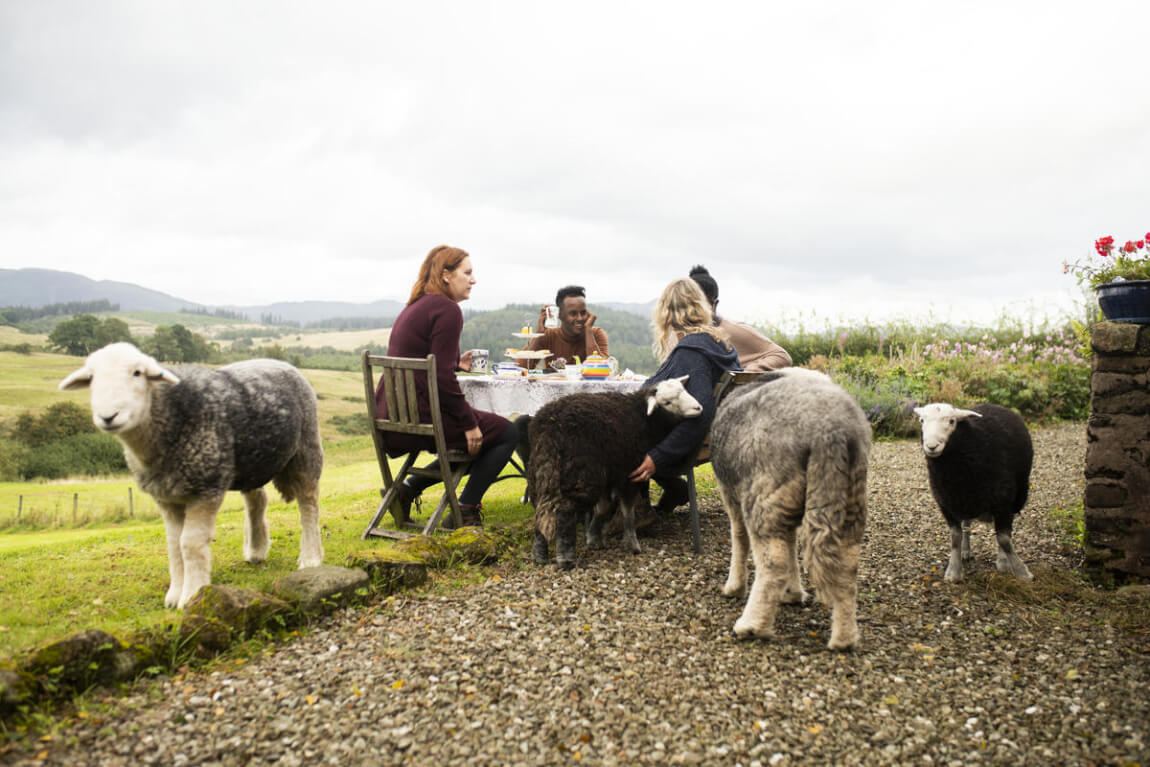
[129, 502]
[19, 508]
[75, 505]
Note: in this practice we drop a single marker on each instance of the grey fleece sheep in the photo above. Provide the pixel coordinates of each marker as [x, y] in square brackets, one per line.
[791, 449]
[979, 464]
[191, 434]
[583, 447]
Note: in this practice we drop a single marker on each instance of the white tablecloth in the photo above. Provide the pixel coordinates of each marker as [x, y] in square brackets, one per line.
[523, 395]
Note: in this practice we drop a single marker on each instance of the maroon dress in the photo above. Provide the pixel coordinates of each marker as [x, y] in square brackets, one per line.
[432, 325]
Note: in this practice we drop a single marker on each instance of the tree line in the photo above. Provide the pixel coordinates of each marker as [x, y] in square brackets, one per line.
[14, 315]
[85, 333]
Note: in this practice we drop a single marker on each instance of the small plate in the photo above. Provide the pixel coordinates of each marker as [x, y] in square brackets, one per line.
[526, 355]
[527, 335]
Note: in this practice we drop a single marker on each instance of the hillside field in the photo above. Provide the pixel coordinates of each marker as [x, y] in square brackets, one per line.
[28, 383]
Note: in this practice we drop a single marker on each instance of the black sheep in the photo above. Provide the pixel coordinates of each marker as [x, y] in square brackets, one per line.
[979, 464]
[583, 447]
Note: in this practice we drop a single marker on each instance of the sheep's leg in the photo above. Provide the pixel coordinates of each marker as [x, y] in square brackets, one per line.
[954, 571]
[793, 593]
[310, 540]
[539, 551]
[196, 546]
[256, 538]
[772, 562]
[833, 568]
[630, 508]
[566, 523]
[173, 516]
[736, 585]
[966, 554]
[593, 527]
[1008, 561]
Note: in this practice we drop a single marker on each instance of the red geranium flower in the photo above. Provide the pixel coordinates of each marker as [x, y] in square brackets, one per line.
[1129, 261]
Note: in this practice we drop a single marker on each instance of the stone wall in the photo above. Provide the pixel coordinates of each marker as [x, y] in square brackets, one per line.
[1117, 498]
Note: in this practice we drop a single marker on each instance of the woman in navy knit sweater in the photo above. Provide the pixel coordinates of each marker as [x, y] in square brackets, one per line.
[689, 344]
[432, 323]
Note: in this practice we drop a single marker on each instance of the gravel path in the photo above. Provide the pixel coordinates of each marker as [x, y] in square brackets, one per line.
[630, 660]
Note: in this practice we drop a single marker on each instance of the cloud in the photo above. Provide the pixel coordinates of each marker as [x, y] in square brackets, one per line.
[866, 157]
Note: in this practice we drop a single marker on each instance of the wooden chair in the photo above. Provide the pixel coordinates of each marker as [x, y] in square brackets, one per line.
[726, 384]
[398, 378]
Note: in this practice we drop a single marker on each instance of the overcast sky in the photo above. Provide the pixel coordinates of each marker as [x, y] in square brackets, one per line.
[881, 160]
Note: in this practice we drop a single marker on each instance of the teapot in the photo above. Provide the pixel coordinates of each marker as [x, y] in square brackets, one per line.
[596, 366]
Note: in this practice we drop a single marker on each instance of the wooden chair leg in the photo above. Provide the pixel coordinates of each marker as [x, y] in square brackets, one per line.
[694, 502]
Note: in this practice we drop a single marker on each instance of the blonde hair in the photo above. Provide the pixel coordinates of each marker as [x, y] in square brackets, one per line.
[441, 257]
[682, 310]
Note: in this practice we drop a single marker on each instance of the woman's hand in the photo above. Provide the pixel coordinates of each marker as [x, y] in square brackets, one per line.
[465, 361]
[542, 319]
[645, 471]
[474, 440]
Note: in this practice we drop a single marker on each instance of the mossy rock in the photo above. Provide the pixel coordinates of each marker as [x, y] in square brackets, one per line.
[472, 544]
[91, 657]
[16, 689]
[318, 589]
[246, 611]
[430, 550]
[204, 636]
[390, 570]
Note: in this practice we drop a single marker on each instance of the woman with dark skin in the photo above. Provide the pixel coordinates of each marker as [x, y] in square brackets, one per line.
[431, 323]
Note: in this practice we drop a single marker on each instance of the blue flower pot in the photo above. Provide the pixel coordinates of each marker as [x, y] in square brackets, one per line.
[1125, 301]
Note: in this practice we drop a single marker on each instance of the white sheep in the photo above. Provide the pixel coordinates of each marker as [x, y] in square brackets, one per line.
[191, 434]
[979, 463]
[791, 449]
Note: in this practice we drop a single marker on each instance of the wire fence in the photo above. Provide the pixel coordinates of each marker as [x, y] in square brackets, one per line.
[66, 508]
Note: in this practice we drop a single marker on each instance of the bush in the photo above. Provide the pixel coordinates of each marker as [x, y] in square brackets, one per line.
[888, 389]
[92, 454]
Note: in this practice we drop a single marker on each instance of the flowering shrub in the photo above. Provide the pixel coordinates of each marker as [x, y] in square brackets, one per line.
[1058, 345]
[1130, 261]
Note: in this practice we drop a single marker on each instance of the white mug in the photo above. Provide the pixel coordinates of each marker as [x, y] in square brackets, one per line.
[479, 359]
[552, 318]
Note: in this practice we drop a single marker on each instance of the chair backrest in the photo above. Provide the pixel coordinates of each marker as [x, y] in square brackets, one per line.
[397, 377]
[727, 383]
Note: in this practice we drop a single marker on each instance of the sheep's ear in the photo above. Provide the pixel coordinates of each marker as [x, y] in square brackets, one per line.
[652, 402]
[962, 415]
[920, 412]
[80, 379]
[682, 379]
[156, 372]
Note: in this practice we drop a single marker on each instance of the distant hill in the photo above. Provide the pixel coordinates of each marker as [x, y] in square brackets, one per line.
[40, 287]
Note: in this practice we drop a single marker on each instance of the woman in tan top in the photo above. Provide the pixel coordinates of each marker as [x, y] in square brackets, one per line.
[757, 353]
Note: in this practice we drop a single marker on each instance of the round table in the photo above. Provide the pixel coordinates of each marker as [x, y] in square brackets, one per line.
[524, 395]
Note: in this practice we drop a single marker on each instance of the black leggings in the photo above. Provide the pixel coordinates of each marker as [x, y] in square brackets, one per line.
[484, 468]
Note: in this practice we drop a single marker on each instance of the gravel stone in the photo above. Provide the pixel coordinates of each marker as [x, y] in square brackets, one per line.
[631, 660]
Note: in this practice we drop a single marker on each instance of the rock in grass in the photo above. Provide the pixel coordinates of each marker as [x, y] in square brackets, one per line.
[390, 569]
[245, 611]
[314, 588]
[16, 688]
[473, 545]
[81, 660]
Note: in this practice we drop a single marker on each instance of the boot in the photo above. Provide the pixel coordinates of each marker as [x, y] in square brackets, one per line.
[407, 496]
[675, 494]
[471, 515]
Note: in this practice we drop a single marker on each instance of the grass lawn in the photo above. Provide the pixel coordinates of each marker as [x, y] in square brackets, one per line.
[113, 577]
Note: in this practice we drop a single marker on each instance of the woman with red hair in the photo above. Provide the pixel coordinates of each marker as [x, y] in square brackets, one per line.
[431, 323]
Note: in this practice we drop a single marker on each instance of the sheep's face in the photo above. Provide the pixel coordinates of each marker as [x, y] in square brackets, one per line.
[120, 378]
[674, 398]
[938, 422]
